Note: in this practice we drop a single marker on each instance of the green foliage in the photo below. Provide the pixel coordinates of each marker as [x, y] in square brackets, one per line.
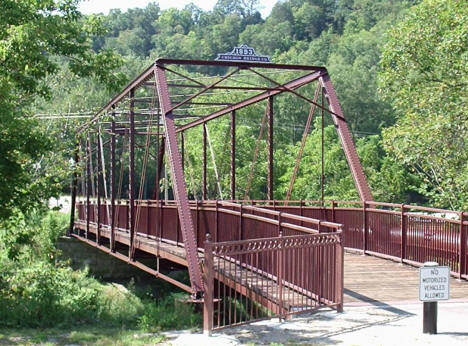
[425, 76]
[169, 313]
[38, 290]
[32, 35]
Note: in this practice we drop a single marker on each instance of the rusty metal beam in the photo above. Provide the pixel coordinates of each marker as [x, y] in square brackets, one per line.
[208, 87]
[131, 174]
[98, 189]
[270, 149]
[228, 87]
[180, 190]
[346, 140]
[112, 182]
[294, 84]
[74, 187]
[233, 155]
[302, 146]
[144, 76]
[204, 163]
[241, 65]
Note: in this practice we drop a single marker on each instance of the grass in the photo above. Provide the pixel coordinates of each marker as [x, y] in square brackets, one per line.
[86, 335]
[44, 301]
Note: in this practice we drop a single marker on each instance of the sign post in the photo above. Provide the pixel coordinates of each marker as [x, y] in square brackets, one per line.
[434, 285]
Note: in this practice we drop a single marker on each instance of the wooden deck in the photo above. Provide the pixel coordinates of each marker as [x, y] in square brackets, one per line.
[368, 279]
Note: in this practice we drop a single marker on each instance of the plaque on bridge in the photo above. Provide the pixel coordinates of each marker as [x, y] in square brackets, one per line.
[243, 53]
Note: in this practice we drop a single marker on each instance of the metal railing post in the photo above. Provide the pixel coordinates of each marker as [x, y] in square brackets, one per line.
[74, 189]
[333, 203]
[98, 190]
[403, 233]
[88, 187]
[462, 251]
[209, 287]
[364, 233]
[112, 181]
[280, 268]
[339, 272]
[216, 221]
[241, 231]
[302, 210]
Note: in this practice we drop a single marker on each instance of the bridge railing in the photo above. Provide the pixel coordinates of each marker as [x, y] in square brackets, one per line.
[269, 263]
[400, 232]
[405, 233]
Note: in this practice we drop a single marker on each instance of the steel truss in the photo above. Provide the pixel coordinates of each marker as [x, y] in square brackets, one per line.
[157, 107]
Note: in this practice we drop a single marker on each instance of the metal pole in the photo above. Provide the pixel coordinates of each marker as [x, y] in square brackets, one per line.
[98, 190]
[73, 188]
[339, 274]
[430, 310]
[270, 149]
[88, 185]
[430, 318]
[233, 155]
[462, 251]
[204, 164]
[322, 176]
[182, 149]
[131, 173]
[209, 287]
[364, 221]
[403, 233]
[112, 181]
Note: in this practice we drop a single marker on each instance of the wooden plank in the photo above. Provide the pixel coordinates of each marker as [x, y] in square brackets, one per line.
[369, 279]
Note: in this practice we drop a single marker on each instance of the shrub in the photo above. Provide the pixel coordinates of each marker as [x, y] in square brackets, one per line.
[37, 290]
[168, 313]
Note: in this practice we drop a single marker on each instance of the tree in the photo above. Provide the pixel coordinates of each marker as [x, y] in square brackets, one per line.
[425, 77]
[33, 35]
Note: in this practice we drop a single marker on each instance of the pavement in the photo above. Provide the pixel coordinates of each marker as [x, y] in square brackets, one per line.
[369, 324]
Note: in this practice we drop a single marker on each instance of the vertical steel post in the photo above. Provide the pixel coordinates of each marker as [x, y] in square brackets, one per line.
[233, 155]
[241, 231]
[430, 317]
[88, 185]
[404, 233]
[157, 181]
[322, 165]
[208, 277]
[364, 222]
[270, 149]
[76, 159]
[112, 181]
[180, 190]
[339, 274]
[333, 203]
[430, 310]
[182, 149]
[462, 250]
[280, 268]
[131, 173]
[204, 164]
[216, 221]
[156, 187]
[98, 189]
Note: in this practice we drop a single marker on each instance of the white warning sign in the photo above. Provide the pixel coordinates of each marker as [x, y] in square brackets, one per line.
[434, 283]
